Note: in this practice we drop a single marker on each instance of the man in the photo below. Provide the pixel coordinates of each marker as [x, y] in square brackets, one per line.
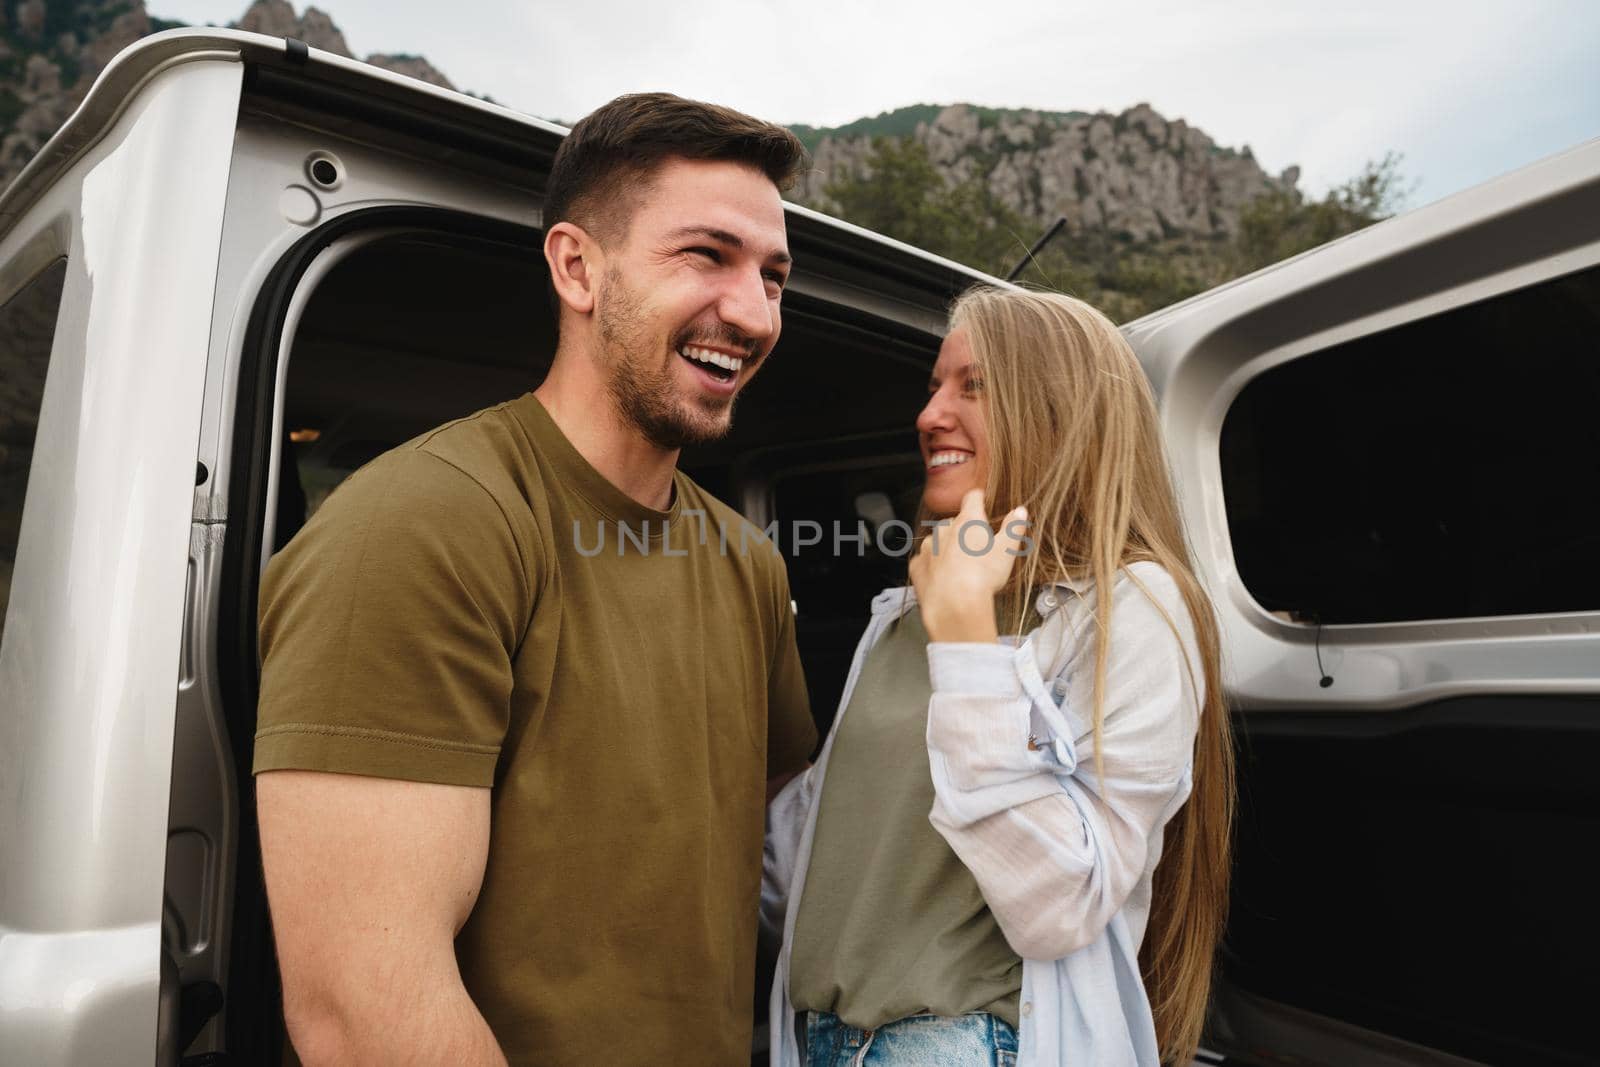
[511, 787]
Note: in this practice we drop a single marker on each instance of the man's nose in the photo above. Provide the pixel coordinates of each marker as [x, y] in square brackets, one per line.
[745, 306]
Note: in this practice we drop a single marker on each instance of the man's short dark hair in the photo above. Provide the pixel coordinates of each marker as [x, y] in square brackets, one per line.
[604, 165]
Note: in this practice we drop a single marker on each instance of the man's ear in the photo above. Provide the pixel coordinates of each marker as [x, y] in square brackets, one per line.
[573, 257]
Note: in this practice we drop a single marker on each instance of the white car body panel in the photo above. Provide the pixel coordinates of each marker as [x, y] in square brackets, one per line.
[1202, 352]
[90, 662]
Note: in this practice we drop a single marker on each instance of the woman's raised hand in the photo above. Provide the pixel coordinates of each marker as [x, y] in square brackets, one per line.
[960, 567]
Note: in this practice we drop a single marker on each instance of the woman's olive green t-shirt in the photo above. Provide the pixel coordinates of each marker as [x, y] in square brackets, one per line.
[891, 922]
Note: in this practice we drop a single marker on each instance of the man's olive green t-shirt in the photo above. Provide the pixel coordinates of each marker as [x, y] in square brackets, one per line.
[891, 922]
[480, 607]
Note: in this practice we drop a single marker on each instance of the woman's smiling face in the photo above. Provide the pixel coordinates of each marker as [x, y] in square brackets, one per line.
[952, 429]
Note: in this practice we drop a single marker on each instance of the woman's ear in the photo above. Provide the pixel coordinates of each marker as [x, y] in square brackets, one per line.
[572, 256]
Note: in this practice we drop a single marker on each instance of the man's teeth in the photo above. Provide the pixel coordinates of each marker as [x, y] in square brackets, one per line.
[716, 359]
[946, 459]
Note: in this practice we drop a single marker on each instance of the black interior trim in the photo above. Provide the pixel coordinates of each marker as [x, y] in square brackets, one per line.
[528, 149]
[894, 340]
[1423, 872]
[1484, 712]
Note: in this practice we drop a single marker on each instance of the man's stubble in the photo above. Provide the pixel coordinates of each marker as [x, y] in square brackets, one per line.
[640, 378]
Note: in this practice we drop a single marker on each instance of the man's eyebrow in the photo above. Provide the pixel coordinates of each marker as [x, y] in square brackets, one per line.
[732, 240]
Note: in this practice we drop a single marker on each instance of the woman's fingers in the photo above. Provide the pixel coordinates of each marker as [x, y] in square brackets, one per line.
[1013, 536]
[972, 508]
[961, 565]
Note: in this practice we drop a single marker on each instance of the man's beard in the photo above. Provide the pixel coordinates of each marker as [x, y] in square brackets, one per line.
[646, 392]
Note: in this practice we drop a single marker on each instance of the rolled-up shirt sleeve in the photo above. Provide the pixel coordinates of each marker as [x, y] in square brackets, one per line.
[1055, 849]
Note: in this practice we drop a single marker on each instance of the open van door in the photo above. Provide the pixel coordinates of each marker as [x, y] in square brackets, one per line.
[108, 248]
[1388, 451]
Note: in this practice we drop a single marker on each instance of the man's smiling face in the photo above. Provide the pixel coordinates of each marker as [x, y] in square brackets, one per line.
[687, 308]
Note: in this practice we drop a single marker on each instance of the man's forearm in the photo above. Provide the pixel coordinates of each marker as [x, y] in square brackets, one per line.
[410, 1027]
[366, 907]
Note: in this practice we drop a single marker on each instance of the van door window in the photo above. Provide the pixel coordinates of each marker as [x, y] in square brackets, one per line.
[1442, 469]
[27, 328]
[376, 360]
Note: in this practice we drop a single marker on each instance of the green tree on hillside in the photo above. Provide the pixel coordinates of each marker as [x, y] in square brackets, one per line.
[1283, 224]
[902, 194]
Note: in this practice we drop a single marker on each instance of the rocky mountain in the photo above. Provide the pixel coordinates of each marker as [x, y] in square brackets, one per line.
[1137, 175]
[1134, 176]
[51, 52]
[276, 18]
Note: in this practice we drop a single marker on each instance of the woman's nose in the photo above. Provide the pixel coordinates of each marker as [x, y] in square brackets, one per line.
[935, 414]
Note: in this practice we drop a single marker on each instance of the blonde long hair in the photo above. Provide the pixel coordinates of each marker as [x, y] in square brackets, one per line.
[1074, 435]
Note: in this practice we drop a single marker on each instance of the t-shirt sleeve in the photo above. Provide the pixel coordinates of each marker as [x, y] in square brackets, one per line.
[388, 629]
[791, 732]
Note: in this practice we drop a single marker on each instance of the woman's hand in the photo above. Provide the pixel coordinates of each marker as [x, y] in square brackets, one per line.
[961, 566]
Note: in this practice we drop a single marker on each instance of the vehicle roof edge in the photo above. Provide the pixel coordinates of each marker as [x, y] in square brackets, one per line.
[131, 68]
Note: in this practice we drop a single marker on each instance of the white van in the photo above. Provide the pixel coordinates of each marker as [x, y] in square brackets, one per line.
[243, 268]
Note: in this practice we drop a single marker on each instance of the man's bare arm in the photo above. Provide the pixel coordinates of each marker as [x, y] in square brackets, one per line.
[370, 880]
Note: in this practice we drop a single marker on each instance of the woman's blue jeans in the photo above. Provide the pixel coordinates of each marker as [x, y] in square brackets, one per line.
[976, 1040]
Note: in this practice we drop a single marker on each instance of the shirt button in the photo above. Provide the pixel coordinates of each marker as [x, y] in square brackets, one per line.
[1049, 600]
[1060, 687]
[1027, 1007]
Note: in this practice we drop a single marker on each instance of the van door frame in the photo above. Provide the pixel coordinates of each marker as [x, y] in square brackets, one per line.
[254, 1018]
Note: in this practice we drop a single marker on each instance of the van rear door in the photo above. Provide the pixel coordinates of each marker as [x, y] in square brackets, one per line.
[108, 250]
[1387, 451]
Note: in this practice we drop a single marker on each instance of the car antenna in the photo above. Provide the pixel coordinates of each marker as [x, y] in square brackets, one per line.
[1055, 228]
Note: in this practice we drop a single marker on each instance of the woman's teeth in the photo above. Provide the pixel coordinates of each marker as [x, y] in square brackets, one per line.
[947, 459]
[715, 359]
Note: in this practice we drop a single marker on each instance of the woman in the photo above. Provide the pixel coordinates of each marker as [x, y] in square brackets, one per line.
[1015, 849]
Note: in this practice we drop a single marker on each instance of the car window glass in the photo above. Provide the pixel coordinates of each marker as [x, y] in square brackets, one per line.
[27, 327]
[1442, 469]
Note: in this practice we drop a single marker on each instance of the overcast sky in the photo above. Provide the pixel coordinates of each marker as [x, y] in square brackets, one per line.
[1465, 89]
